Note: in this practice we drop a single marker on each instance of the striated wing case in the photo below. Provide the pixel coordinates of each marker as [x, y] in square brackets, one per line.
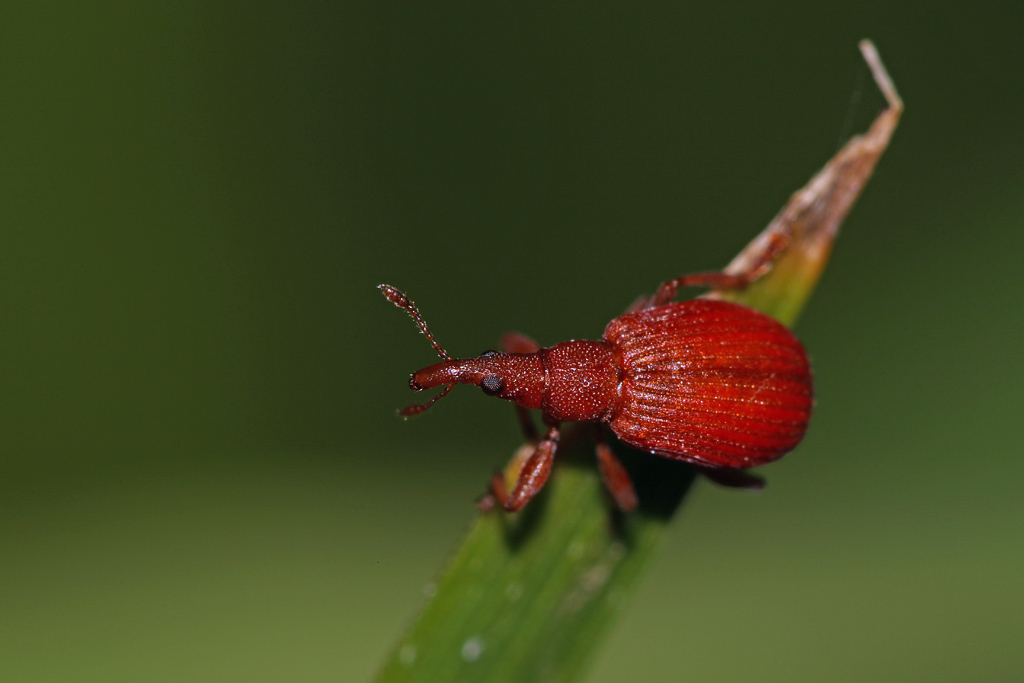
[710, 382]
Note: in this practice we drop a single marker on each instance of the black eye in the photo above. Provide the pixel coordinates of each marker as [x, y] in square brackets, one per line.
[488, 353]
[492, 385]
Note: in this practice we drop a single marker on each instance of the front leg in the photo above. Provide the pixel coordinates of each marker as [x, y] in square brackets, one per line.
[535, 472]
[531, 477]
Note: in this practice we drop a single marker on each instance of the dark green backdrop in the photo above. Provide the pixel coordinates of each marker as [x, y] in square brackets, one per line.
[201, 473]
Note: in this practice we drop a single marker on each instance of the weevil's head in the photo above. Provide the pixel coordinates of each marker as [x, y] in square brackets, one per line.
[515, 377]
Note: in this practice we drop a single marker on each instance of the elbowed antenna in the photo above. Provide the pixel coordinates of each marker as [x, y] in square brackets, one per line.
[406, 304]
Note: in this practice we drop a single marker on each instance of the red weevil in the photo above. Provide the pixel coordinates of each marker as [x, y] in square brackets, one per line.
[709, 382]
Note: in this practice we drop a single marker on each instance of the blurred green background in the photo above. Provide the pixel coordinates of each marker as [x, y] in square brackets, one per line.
[201, 473]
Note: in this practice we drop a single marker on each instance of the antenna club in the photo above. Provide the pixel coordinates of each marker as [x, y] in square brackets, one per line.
[395, 296]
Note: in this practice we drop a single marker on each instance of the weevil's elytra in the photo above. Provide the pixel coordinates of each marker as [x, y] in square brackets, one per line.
[709, 382]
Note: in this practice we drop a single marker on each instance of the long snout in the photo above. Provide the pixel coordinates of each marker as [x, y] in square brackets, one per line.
[456, 371]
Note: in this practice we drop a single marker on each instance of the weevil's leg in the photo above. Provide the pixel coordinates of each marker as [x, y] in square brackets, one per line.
[777, 242]
[532, 462]
[516, 342]
[733, 479]
[533, 475]
[614, 475]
